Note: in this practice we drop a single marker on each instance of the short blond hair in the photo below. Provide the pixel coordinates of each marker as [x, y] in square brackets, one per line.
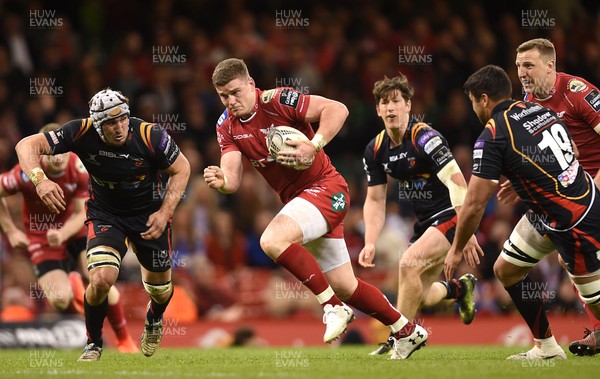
[543, 45]
[228, 70]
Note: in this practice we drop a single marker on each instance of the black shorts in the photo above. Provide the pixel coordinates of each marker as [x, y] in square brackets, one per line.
[445, 223]
[106, 229]
[47, 266]
[579, 246]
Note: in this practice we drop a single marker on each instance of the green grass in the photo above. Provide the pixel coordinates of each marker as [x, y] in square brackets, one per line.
[287, 362]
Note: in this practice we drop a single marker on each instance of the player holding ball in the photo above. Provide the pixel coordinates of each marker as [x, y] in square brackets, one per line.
[306, 236]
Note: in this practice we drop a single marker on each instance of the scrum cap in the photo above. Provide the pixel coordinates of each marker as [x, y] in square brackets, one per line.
[107, 105]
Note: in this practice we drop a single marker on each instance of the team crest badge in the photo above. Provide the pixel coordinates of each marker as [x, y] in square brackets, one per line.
[338, 202]
[576, 85]
[267, 95]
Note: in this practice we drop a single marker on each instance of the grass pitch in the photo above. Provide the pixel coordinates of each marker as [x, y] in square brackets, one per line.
[288, 362]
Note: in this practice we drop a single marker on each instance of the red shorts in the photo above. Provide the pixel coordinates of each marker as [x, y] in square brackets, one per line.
[331, 197]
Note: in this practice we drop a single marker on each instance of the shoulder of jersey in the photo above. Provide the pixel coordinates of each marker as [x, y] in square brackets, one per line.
[574, 84]
[421, 133]
[85, 125]
[145, 130]
[76, 163]
[376, 143]
[224, 117]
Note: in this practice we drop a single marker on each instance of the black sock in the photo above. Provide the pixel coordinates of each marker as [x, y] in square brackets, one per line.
[528, 302]
[454, 289]
[156, 310]
[94, 319]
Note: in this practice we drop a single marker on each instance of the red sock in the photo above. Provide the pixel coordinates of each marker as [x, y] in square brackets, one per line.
[593, 319]
[371, 301]
[117, 320]
[300, 263]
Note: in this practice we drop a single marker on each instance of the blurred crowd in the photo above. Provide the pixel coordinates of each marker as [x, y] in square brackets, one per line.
[55, 55]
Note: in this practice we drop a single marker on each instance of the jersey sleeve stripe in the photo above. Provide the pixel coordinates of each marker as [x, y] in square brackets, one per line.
[85, 126]
[378, 142]
[145, 128]
[415, 131]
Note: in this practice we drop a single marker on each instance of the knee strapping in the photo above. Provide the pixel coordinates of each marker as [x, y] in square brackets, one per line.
[157, 289]
[103, 256]
[589, 293]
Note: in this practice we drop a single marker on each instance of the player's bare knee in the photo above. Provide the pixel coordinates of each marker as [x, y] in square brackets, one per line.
[271, 245]
[61, 303]
[411, 268]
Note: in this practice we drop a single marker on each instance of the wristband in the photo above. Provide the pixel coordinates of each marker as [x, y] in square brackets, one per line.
[37, 175]
[318, 142]
[222, 188]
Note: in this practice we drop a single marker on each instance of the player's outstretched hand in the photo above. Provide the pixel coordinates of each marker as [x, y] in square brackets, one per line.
[157, 222]
[472, 252]
[451, 262]
[507, 194]
[52, 195]
[366, 256]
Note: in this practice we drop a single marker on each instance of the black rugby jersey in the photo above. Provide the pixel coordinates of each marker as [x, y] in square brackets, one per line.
[530, 145]
[415, 163]
[124, 180]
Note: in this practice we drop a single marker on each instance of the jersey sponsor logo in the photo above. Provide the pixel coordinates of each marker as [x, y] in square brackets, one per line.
[525, 112]
[540, 122]
[576, 85]
[394, 158]
[426, 137]
[411, 162]
[267, 96]
[53, 136]
[165, 141]
[568, 176]
[593, 99]
[71, 187]
[289, 97]
[560, 114]
[242, 136]
[222, 118]
[110, 154]
[92, 159]
[338, 202]
[432, 144]
[442, 155]
[477, 153]
[479, 144]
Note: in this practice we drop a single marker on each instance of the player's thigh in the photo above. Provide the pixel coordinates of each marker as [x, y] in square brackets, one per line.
[154, 255]
[425, 253]
[330, 254]
[299, 221]
[55, 285]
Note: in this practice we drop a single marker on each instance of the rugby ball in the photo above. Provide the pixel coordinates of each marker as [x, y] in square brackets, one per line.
[276, 137]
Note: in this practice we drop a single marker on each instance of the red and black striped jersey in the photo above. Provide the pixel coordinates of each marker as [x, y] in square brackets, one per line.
[531, 146]
[125, 179]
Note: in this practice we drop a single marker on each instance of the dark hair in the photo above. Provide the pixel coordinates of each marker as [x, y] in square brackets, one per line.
[383, 88]
[491, 80]
[228, 70]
